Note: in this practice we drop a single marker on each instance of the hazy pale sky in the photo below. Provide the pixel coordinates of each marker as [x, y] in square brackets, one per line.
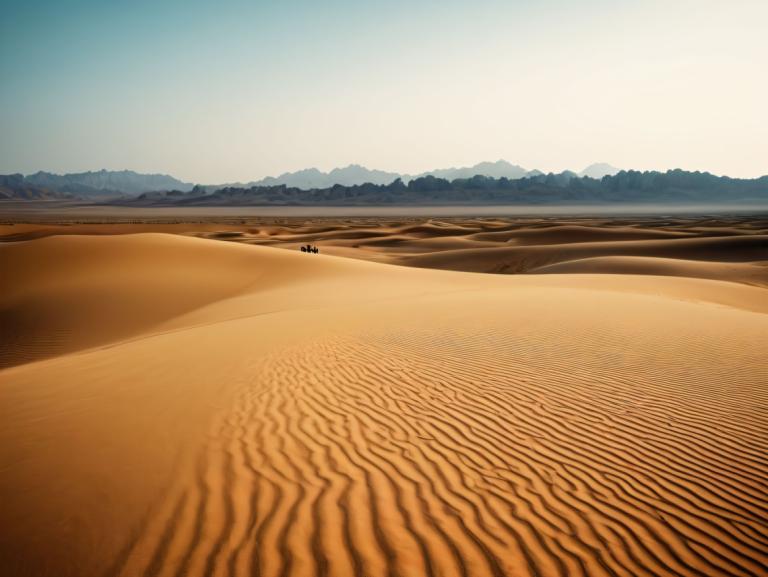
[234, 90]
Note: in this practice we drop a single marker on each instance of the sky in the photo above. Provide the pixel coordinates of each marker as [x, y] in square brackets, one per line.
[235, 90]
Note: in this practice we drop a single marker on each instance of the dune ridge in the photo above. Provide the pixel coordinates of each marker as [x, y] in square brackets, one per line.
[489, 245]
[313, 415]
[751, 273]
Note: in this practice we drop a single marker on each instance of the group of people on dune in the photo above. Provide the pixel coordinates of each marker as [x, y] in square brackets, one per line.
[310, 248]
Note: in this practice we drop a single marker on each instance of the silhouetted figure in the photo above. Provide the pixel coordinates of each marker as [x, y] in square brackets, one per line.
[315, 250]
[303, 249]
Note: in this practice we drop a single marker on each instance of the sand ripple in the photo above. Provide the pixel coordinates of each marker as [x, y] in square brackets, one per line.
[385, 455]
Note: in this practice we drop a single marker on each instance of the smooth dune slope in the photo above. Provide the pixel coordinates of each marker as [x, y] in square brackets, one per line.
[62, 294]
[751, 273]
[517, 259]
[241, 410]
[568, 233]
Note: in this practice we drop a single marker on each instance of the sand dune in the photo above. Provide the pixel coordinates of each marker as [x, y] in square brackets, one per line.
[60, 290]
[561, 234]
[528, 258]
[506, 246]
[215, 408]
[747, 273]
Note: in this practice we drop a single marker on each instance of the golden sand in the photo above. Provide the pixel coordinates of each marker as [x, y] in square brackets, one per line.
[177, 406]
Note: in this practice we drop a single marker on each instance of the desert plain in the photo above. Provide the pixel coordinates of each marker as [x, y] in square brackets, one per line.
[424, 397]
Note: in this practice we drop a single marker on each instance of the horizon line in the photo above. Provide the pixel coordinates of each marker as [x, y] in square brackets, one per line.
[354, 164]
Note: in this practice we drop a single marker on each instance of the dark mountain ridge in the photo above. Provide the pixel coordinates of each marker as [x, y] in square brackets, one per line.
[106, 184]
[99, 183]
[14, 187]
[672, 186]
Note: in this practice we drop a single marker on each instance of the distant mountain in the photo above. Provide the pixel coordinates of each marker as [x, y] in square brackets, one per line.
[105, 182]
[314, 178]
[354, 175]
[658, 188]
[599, 170]
[498, 169]
[13, 187]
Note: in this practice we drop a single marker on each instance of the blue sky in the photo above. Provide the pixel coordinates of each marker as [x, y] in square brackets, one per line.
[234, 90]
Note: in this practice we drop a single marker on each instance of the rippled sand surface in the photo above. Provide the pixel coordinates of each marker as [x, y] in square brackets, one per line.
[175, 406]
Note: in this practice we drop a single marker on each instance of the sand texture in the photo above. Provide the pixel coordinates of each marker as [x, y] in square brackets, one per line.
[178, 406]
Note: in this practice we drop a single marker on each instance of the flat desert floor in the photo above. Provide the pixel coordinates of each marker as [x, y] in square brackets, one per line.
[176, 405]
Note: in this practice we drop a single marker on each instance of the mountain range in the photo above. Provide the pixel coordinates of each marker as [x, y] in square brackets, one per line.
[485, 183]
[15, 187]
[109, 185]
[567, 188]
[101, 184]
[354, 175]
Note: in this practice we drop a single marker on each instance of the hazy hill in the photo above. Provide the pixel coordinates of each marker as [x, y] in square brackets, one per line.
[498, 169]
[354, 174]
[314, 178]
[14, 187]
[104, 182]
[599, 170]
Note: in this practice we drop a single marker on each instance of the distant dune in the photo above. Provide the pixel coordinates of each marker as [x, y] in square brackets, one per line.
[732, 249]
[747, 273]
[516, 259]
[184, 406]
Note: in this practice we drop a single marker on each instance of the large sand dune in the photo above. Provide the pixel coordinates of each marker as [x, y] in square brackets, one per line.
[733, 249]
[175, 406]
